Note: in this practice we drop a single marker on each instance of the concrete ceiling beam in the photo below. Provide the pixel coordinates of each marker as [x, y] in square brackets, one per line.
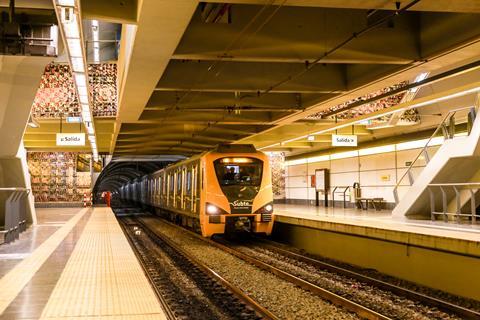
[252, 76]
[424, 5]
[190, 99]
[142, 61]
[298, 34]
[118, 11]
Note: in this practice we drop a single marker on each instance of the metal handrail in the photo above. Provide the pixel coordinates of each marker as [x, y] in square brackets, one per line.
[344, 192]
[473, 187]
[448, 116]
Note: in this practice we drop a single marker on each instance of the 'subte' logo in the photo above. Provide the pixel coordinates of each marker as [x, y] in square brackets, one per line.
[241, 203]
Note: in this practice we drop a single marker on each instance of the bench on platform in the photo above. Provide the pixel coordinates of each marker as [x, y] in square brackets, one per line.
[377, 203]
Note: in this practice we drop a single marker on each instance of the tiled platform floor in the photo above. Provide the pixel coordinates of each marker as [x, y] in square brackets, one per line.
[381, 220]
[49, 221]
[84, 269]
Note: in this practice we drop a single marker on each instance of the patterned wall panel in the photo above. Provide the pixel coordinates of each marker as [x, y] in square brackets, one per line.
[369, 107]
[59, 176]
[277, 165]
[56, 94]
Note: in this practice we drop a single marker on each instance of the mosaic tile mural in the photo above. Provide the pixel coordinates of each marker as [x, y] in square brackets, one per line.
[277, 165]
[59, 176]
[56, 96]
[369, 107]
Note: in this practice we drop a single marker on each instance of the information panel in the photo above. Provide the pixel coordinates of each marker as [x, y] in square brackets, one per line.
[321, 180]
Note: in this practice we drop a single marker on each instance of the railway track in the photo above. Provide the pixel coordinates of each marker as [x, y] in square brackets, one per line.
[292, 257]
[401, 291]
[345, 302]
[224, 299]
[349, 305]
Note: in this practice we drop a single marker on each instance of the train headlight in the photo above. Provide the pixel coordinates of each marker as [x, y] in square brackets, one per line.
[211, 209]
[269, 208]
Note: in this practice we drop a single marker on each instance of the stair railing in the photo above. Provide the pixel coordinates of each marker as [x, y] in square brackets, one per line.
[447, 128]
[472, 187]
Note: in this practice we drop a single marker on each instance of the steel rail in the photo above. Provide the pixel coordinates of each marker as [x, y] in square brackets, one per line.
[210, 272]
[410, 294]
[335, 299]
[169, 314]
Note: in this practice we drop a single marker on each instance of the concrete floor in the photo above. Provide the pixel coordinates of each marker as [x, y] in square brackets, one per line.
[380, 219]
[63, 268]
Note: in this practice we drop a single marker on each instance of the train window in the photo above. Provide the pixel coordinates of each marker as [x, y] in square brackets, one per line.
[189, 181]
[172, 184]
[239, 171]
[179, 182]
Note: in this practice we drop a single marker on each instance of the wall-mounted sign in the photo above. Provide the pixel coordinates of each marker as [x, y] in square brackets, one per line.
[341, 140]
[70, 139]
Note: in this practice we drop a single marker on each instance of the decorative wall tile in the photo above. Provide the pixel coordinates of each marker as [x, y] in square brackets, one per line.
[56, 95]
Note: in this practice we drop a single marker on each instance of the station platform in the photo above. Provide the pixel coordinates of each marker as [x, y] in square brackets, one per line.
[74, 263]
[441, 255]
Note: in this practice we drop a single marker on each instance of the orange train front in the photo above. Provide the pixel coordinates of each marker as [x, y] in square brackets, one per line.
[225, 190]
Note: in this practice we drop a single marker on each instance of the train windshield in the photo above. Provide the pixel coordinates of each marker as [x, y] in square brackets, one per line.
[239, 171]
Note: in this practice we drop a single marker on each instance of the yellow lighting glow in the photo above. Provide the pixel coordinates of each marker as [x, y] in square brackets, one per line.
[376, 150]
[237, 160]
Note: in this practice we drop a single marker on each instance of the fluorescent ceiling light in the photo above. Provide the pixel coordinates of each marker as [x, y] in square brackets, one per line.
[70, 3]
[318, 158]
[80, 79]
[71, 29]
[83, 99]
[342, 155]
[75, 47]
[82, 91]
[86, 117]
[77, 64]
[295, 162]
[376, 150]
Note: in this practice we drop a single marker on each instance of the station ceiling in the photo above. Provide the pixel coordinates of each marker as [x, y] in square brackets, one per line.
[194, 80]
[194, 74]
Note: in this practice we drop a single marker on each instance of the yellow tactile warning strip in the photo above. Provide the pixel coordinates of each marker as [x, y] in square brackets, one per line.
[103, 278]
[13, 282]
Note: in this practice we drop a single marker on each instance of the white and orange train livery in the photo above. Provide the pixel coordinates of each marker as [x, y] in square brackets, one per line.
[220, 191]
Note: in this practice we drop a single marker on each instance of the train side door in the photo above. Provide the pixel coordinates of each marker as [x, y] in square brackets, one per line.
[188, 190]
[195, 188]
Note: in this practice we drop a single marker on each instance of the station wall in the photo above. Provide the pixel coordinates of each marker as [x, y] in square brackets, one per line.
[377, 174]
[59, 177]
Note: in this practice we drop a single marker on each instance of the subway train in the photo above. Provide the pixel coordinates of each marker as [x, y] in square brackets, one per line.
[225, 190]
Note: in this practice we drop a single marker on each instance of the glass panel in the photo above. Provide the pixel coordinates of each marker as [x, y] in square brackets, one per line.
[239, 171]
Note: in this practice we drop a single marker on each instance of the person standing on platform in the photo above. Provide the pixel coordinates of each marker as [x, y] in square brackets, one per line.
[108, 197]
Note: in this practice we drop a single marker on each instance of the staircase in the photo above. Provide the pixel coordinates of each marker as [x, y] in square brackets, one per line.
[448, 185]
